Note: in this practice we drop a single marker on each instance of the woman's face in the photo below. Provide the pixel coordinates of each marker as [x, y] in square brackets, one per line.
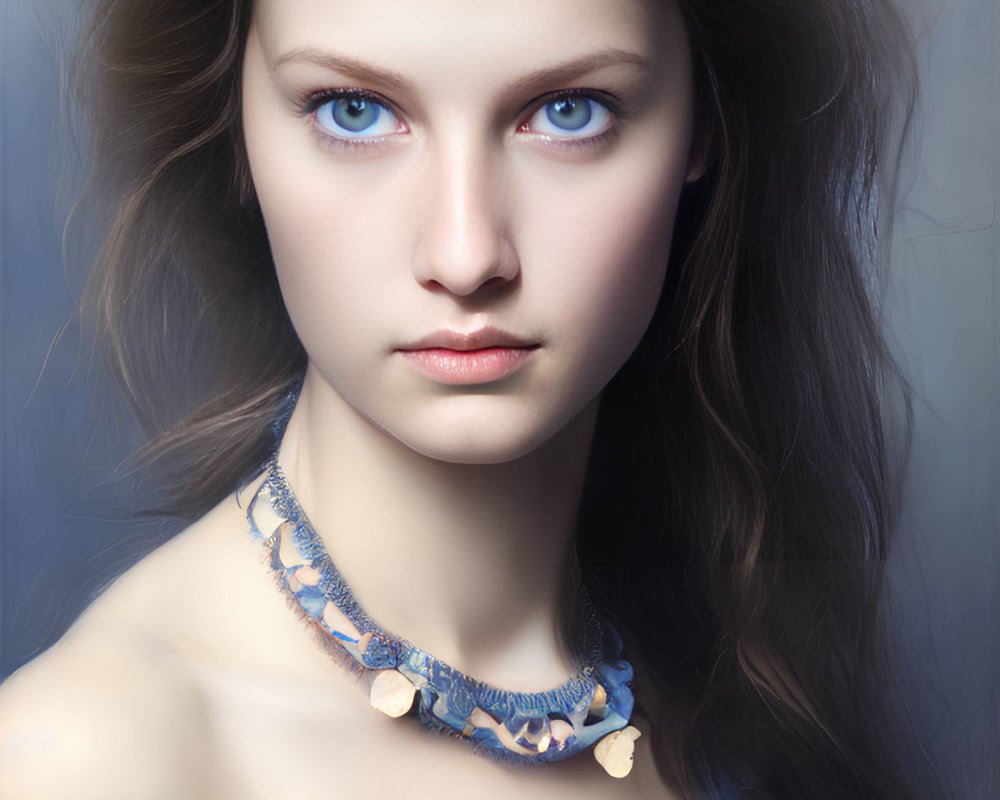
[469, 203]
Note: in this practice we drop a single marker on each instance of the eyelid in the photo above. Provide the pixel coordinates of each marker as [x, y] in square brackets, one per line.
[608, 101]
[313, 101]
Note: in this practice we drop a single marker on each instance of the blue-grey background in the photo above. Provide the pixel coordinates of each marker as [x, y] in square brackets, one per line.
[64, 526]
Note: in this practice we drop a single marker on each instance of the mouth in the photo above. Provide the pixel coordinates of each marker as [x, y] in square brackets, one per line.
[482, 356]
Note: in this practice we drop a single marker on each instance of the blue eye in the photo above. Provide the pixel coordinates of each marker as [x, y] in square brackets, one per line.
[355, 115]
[570, 117]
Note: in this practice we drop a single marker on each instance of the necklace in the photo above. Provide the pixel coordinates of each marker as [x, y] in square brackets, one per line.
[593, 706]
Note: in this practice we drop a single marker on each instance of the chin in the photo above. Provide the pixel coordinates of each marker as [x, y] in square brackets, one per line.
[475, 447]
[485, 429]
[473, 437]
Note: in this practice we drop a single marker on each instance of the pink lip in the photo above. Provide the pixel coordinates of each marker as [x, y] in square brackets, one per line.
[482, 356]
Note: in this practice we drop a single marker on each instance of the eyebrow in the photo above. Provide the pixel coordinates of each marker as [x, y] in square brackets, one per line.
[344, 65]
[562, 72]
[567, 71]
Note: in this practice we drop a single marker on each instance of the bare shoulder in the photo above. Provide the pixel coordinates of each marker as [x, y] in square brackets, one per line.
[103, 714]
[174, 584]
[109, 711]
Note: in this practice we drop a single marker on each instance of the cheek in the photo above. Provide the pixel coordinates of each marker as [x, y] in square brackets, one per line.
[326, 226]
[331, 245]
[606, 253]
[301, 242]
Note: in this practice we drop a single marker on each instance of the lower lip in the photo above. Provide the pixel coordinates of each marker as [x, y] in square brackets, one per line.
[468, 366]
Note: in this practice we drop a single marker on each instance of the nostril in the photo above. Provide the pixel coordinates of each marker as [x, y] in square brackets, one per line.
[485, 290]
[469, 268]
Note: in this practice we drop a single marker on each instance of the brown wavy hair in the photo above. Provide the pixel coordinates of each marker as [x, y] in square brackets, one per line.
[740, 455]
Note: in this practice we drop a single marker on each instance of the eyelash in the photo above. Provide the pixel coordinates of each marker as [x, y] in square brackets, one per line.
[608, 103]
[314, 102]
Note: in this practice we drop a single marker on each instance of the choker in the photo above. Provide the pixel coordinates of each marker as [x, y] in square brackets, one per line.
[592, 708]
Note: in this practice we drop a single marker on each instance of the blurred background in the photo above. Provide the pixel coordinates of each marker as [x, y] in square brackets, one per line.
[65, 526]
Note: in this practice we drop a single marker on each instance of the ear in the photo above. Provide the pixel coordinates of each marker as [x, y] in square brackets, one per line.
[702, 149]
[700, 153]
[697, 166]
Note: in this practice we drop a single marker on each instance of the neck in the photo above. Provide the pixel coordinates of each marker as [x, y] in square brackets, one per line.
[468, 562]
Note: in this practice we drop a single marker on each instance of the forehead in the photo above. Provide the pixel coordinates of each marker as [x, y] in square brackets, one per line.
[472, 38]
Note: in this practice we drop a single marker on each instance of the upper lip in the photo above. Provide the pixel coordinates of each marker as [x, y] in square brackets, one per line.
[475, 340]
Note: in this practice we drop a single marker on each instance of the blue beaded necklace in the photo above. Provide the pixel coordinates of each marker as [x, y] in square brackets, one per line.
[593, 706]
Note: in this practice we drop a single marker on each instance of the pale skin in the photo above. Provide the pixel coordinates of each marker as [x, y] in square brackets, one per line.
[449, 508]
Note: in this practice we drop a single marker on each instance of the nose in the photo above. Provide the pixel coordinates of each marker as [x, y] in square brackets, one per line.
[463, 244]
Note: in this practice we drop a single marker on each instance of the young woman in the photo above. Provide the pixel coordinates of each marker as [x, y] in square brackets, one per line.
[473, 336]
